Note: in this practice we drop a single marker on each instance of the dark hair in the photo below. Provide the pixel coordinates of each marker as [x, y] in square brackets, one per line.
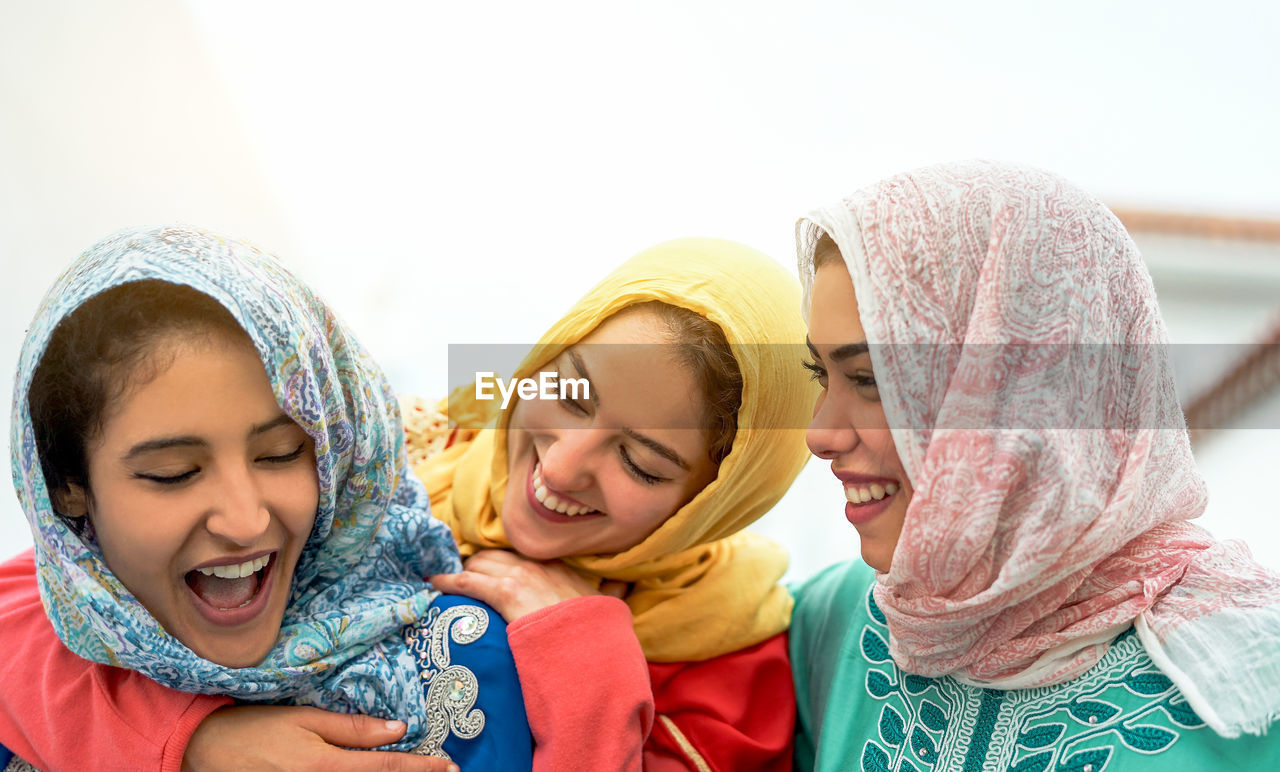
[704, 349]
[825, 252]
[95, 355]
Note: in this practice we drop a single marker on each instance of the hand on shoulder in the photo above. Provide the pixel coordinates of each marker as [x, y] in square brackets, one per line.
[516, 585]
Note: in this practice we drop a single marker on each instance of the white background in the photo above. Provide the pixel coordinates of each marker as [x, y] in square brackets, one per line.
[461, 172]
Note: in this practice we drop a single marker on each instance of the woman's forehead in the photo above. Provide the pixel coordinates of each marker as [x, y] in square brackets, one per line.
[833, 309]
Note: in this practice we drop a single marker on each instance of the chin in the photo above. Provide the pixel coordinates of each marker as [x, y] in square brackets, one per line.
[246, 659]
[535, 549]
[233, 654]
[877, 560]
[239, 648]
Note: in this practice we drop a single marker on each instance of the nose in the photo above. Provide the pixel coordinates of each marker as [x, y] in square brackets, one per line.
[830, 433]
[240, 513]
[569, 460]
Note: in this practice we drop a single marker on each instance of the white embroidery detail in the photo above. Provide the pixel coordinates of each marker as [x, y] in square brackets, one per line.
[19, 765]
[451, 689]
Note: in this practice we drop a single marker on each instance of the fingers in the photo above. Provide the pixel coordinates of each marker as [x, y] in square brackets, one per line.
[359, 731]
[350, 729]
[512, 595]
[471, 584]
[303, 738]
[496, 562]
[513, 585]
[501, 563]
[387, 761]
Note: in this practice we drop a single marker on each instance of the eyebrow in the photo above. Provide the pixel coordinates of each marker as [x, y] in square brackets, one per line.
[648, 442]
[280, 420]
[841, 353]
[189, 441]
[581, 367]
[163, 443]
[658, 447]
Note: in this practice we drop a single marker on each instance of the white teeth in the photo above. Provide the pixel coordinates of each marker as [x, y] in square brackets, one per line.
[860, 495]
[550, 500]
[246, 568]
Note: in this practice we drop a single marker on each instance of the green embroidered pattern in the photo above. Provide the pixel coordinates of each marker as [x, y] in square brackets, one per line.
[1124, 704]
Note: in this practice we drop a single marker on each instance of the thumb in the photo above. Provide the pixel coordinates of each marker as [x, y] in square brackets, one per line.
[353, 730]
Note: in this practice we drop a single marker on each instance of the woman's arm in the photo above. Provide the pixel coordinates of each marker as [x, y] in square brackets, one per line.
[586, 685]
[287, 737]
[594, 703]
[59, 711]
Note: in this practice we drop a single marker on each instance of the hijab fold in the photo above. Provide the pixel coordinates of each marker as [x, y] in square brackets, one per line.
[359, 578]
[1022, 364]
[700, 586]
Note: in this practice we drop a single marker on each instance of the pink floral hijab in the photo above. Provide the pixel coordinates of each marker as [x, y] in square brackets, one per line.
[1021, 362]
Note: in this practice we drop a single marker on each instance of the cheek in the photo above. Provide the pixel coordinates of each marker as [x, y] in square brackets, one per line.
[139, 534]
[870, 416]
[298, 497]
[643, 506]
[880, 441]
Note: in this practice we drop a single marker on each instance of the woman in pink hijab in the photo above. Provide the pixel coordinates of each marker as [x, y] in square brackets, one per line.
[998, 406]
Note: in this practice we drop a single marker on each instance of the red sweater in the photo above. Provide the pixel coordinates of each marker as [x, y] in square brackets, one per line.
[592, 698]
[590, 695]
[58, 711]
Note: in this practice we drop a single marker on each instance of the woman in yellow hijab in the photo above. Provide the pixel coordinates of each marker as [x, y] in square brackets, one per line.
[606, 524]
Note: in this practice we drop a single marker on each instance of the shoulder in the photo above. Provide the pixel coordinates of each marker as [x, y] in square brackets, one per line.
[470, 685]
[459, 630]
[831, 598]
[830, 607]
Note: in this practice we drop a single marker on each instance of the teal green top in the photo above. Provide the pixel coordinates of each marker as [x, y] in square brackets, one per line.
[857, 710]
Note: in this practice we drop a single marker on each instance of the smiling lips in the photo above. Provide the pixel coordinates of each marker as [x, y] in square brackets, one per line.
[856, 494]
[553, 506]
[866, 496]
[232, 594]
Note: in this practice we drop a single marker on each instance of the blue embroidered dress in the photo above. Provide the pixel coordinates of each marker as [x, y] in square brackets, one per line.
[858, 711]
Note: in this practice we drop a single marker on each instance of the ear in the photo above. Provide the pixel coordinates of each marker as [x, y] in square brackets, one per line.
[71, 501]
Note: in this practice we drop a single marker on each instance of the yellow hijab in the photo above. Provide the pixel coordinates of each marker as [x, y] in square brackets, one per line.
[700, 588]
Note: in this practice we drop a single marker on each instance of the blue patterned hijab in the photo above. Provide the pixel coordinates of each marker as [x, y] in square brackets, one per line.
[358, 581]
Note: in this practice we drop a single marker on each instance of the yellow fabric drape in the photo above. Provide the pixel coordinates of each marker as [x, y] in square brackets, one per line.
[700, 587]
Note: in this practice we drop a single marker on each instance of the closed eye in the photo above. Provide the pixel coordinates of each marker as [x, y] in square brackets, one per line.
[635, 471]
[286, 457]
[163, 479]
[573, 406]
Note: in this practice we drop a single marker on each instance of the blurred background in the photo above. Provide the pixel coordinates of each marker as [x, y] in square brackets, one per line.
[449, 173]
